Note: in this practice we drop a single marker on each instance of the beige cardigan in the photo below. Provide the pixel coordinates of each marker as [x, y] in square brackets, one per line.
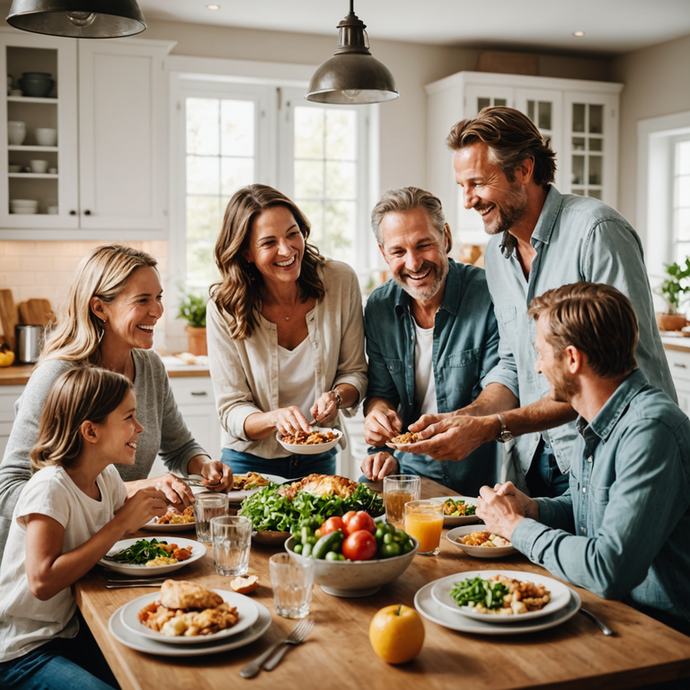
[245, 372]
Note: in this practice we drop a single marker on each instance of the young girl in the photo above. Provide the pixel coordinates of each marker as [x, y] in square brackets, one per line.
[69, 515]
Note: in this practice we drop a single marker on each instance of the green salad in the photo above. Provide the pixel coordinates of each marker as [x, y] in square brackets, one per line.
[270, 510]
[141, 552]
[477, 591]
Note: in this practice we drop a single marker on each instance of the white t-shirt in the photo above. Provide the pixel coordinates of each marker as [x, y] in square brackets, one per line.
[297, 380]
[25, 621]
[424, 382]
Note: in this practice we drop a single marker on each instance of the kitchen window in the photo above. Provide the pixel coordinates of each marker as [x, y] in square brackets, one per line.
[681, 197]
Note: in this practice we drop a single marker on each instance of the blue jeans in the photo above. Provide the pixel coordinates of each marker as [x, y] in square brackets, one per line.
[60, 664]
[290, 467]
[544, 478]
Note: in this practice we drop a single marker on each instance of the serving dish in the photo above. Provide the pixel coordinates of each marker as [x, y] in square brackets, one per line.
[454, 535]
[313, 449]
[246, 608]
[455, 520]
[198, 551]
[560, 596]
[356, 578]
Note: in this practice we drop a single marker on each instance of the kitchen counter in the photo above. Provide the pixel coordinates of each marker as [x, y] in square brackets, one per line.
[677, 343]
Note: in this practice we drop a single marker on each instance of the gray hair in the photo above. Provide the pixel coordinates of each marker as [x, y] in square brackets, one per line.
[407, 199]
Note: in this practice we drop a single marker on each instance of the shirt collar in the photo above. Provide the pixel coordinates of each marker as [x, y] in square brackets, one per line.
[451, 296]
[608, 416]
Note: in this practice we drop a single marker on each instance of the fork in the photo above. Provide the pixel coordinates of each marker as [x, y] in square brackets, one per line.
[275, 660]
[299, 632]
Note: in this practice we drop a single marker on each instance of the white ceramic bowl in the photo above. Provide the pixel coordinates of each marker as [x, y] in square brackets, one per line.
[45, 136]
[16, 132]
[477, 551]
[356, 578]
[38, 166]
[312, 449]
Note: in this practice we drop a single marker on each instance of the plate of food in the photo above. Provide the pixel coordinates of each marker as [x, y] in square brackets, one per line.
[404, 442]
[172, 522]
[479, 543]
[151, 557]
[501, 596]
[247, 484]
[186, 613]
[458, 510]
[310, 443]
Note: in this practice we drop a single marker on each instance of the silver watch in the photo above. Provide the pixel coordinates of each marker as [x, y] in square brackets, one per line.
[504, 434]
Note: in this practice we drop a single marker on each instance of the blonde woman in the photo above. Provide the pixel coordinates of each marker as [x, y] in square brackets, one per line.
[107, 320]
[285, 335]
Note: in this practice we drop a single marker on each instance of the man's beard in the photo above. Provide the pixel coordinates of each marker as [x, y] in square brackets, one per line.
[511, 211]
[428, 292]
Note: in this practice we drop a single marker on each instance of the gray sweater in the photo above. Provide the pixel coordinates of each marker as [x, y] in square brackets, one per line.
[165, 431]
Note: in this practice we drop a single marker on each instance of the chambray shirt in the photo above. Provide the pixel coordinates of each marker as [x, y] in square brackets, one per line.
[623, 527]
[576, 238]
[465, 348]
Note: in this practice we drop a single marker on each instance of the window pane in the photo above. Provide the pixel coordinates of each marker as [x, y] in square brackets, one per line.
[235, 173]
[683, 191]
[596, 144]
[530, 110]
[202, 125]
[341, 135]
[596, 119]
[544, 115]
[578, 117]
[594, 193]
[203, 175]
[203, 216]
[313, 210]
[340, 221]
[237, 128]
[500, 101]
[309, 132]
[578, 143]
[341, 180]
[683, 156]
[682, 250]
[683, 225]
[309, 180]
[483, 103]
[578, 170]
[595, 175]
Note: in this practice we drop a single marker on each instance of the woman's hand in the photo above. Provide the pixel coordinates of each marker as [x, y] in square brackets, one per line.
[138, 509]
[217, 476]
[325, 409]
[289, 420]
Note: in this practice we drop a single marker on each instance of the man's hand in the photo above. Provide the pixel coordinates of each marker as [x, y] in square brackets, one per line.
[453, 437]
[376, 467]
[380, 426]
[139, 508]
[504, 507]
[217, 476]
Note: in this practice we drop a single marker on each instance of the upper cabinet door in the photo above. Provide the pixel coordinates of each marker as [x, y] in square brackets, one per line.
[122, 135]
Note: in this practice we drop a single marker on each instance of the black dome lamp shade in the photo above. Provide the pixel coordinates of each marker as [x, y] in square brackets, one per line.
[78, 18]
[352, 75]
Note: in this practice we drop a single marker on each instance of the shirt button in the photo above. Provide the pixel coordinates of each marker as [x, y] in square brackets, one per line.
[582, 529]
[536, 437]
[589, 459]
[584, 489]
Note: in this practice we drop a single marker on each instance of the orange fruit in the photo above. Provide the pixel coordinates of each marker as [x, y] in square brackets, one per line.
[244, 585]
[397, 633]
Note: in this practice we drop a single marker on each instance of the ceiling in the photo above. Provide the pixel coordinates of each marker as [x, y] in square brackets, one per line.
[611, 26]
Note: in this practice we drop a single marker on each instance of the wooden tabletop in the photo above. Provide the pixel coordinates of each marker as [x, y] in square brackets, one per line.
[338, 654]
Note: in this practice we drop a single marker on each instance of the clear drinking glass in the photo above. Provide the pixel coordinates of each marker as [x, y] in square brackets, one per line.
[208, 506]
[398, 489]
[292, 582]
[231, 536]
[424, 522]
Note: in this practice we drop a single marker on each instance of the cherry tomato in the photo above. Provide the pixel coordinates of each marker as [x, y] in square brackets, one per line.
[332, 524]
[360, 546]
[358, 521]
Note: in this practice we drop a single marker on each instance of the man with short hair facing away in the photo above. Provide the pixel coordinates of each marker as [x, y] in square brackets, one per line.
[431, 340]
[539, 239]
[622, 530]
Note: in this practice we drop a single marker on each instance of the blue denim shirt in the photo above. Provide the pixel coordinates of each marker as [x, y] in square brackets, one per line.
[623, 527]
[576, 238]
[465, 346]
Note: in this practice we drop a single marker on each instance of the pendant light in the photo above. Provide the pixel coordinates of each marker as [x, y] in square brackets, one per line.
[78, 18]
[352, 75]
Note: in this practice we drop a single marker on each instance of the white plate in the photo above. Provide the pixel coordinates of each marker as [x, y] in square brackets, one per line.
[454, 521]
[239, 496]
[477, 551]
[433, 611]
[168, 527]
[198, 551]
[246, 608]
[143, 644]
[314, 449]
[560, 596]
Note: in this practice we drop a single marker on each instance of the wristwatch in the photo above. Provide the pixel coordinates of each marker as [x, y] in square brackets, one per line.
[504, 434]
[338, 397]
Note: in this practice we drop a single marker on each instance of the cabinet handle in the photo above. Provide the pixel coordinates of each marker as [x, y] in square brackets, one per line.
[679, 365]
[73, 213]
[199, 393]
[87, 212]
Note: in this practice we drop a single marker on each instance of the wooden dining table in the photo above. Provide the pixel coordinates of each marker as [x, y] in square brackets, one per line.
[338, 654]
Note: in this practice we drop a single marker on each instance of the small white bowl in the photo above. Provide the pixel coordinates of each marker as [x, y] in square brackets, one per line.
[477, 551]
[45, 136]
[315, 449]
[38, 166]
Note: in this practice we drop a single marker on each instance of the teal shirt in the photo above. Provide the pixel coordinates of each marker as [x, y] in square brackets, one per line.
[465, 351]
[622, 530]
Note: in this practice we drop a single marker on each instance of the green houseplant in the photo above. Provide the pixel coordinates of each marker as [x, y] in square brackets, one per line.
[674, 290]
[193, 310]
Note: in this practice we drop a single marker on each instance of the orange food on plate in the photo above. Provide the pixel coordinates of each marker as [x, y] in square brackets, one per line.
[304, 438]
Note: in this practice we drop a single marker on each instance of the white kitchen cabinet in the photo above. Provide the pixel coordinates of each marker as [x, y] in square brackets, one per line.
[679, 363]
[109, 106]
[8, 396]
[579, 118]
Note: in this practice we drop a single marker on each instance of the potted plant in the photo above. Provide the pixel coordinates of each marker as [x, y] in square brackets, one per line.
[674, 290]
[193, 310]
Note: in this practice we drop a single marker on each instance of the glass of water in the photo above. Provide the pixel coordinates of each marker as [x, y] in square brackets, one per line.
[208, 506]
[231, 536]
[292, 583]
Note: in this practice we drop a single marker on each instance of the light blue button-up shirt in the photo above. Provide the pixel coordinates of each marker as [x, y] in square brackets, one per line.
[465, 351]
[623, 527]
[576, 238]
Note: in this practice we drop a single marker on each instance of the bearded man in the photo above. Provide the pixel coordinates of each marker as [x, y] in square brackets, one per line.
[432, 340]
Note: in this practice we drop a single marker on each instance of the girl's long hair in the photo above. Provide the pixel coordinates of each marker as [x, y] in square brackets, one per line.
[84, 393]
[103, 273]
[239, 291]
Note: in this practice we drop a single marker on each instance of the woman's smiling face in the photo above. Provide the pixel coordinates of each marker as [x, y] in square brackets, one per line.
[276, 245]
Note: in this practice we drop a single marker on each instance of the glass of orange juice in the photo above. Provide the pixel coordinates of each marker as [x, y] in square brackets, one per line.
[398, 489]
[424, 522]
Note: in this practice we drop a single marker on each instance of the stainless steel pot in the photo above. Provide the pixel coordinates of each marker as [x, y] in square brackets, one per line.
[29, 343]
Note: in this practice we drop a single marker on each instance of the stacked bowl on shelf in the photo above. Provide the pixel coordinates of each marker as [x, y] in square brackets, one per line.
[24, 206]
[36, 84]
